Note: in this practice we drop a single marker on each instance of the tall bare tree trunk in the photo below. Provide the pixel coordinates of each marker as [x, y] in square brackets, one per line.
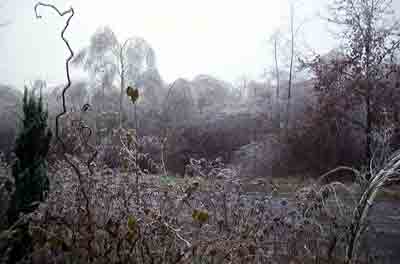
[121, 98]
[368, 130]
[278, 99]
[278, 103]
[104, 98]
[368, 116]
[290, 70]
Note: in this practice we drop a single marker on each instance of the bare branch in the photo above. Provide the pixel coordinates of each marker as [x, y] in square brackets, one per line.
[71, 14]
[341, 168]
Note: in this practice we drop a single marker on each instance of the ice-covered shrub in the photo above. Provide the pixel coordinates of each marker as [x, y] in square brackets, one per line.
[209, 169]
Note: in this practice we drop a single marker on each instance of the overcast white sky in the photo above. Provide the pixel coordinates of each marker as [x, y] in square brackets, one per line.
[225, 38]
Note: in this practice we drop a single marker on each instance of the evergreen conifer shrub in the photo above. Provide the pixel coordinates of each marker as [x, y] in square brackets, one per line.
[31, 147]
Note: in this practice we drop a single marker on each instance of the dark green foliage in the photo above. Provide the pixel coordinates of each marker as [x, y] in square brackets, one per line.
[30, 168]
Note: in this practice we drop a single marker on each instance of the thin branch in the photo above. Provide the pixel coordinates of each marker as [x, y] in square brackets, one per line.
[71, 13]
[341, 168]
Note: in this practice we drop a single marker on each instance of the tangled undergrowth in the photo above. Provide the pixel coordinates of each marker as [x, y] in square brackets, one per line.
[183, 220]
[209, 169]
[129, 215]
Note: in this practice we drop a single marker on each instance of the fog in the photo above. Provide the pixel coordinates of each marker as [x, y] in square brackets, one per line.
[223, 38]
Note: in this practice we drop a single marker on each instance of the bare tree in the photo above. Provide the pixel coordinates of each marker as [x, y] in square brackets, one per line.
[358, 75]
[108, 59]
[287, 46]
[242, 83]
[289, 93]
[275, 39]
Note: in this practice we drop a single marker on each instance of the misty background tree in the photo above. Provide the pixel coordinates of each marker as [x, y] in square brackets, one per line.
[109, 61]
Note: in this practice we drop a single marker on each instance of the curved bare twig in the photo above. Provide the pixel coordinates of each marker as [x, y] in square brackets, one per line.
[323, 177]
[71, 13]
